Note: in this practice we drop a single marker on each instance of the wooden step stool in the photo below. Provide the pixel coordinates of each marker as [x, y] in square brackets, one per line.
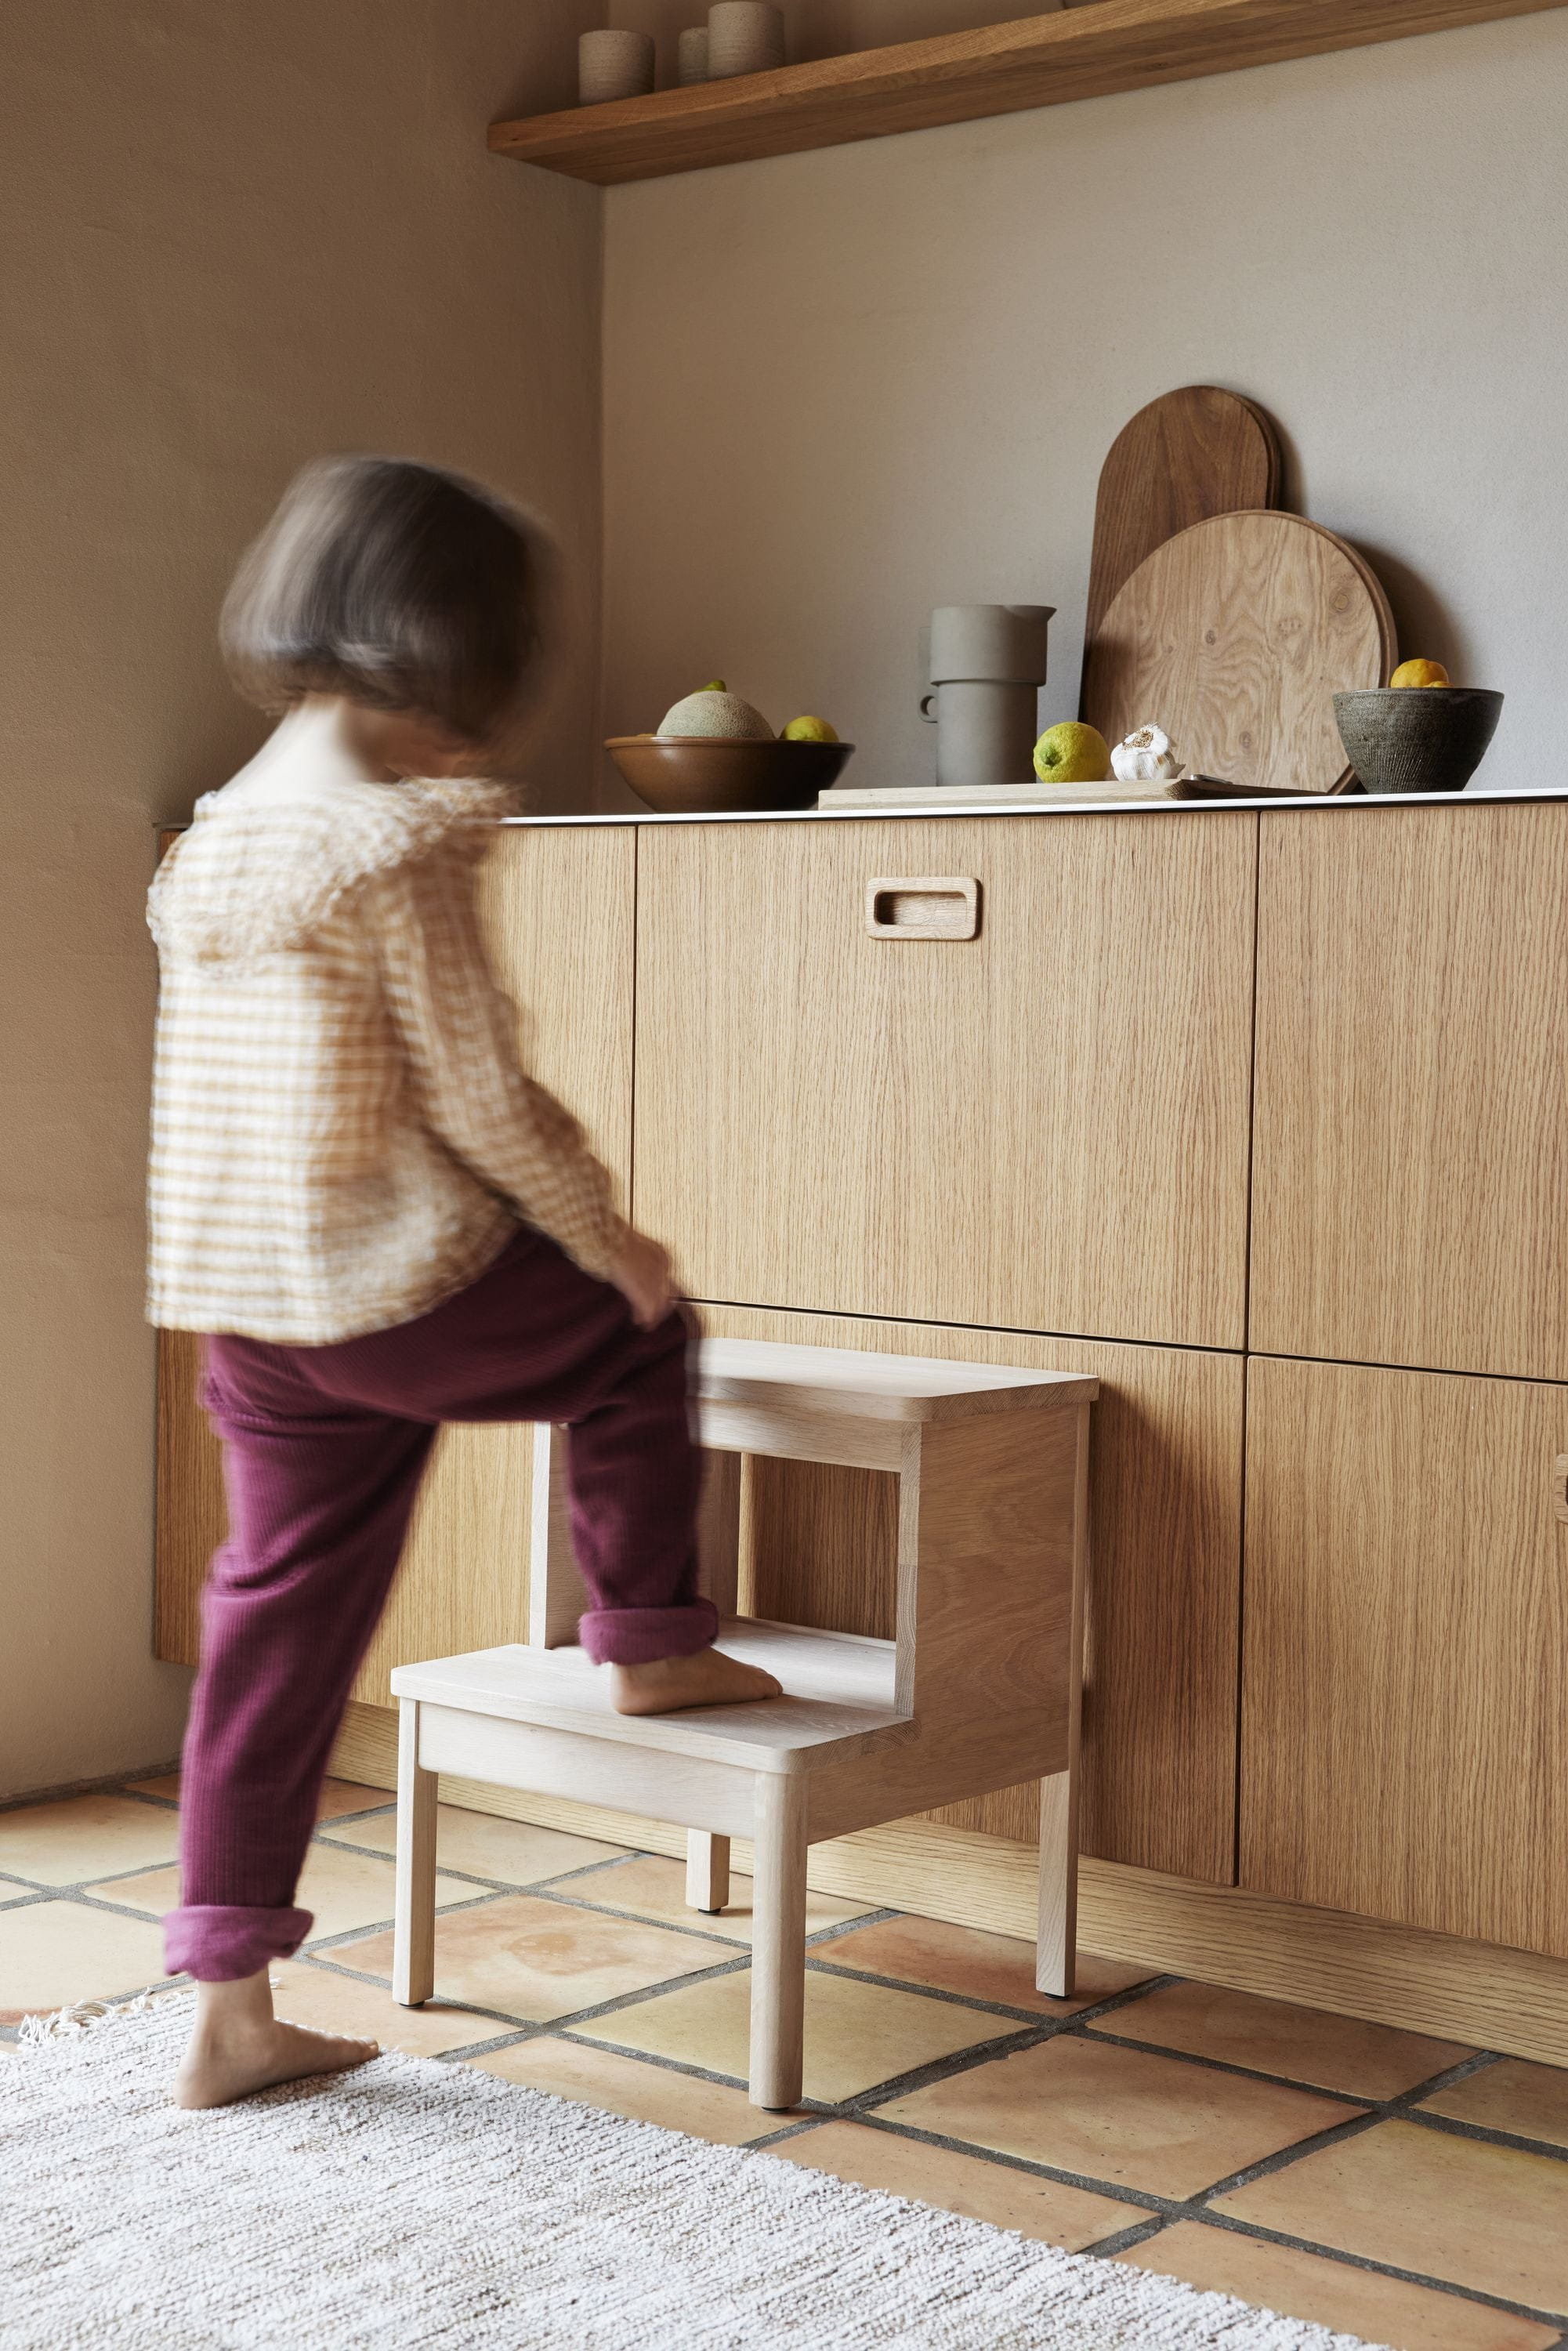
[979, 1689]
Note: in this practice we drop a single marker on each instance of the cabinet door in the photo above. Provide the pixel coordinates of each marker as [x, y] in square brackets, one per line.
[1042, 1127]
[1411, 1169]
[1404, 1708]
[1159, 1726]
[558, 913]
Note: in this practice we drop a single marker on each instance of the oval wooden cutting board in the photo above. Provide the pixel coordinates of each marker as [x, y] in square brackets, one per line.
[1234, 636]
[1191, 454]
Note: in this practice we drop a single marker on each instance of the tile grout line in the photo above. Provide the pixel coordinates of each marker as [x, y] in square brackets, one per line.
[1158, 2213]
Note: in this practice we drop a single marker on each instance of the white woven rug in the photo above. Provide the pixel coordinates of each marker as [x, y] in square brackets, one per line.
[413, 2203]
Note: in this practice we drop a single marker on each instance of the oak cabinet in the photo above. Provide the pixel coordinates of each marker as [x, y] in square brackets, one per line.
[1159, 1720]
[558, 913]
[1410, 1174]
[1043, 1127]
[1405, 1710]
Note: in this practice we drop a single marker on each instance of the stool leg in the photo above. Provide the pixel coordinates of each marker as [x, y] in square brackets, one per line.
[778, 1940]
[1057, 1950]
[1056, 1953]
[708, 1871]
[413, 1901]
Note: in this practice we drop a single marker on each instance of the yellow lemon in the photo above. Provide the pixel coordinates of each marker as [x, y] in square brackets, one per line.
[714, 686]
[808, 730]
[1419, 673]
[1073, 754]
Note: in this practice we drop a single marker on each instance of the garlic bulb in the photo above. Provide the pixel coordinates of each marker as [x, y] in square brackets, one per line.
[1145, 758]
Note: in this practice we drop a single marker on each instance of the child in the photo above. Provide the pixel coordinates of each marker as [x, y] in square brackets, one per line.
[379, 1219]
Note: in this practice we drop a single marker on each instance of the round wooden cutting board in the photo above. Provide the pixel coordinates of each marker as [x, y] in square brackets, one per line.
[1234, 636]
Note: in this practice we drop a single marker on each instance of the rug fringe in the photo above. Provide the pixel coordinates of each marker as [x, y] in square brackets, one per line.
[69, 2024]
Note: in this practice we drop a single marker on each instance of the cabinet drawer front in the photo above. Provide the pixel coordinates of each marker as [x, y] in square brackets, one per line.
[1159, 1717]
[1042, 1124]
[1411, 1169]
[1405, 1716]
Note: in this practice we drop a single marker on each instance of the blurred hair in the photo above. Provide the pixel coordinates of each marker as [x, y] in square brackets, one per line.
[397, 585]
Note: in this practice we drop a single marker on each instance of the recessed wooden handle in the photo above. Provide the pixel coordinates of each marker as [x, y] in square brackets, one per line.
[926, 906]
[1560, 1486]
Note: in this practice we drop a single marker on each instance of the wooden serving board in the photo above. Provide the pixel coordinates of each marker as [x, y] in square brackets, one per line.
[1188, 454]
[1234, 637]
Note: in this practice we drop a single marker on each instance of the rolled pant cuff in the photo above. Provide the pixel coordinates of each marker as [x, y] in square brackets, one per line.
[220, 1942]
[635, 1636]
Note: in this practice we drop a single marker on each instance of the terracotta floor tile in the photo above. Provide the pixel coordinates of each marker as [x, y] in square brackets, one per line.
[337, 1795]
[1046, 2208]
[975, 1965]
[538, 1960]
[1351, 2301]
[1119, 2113]
[329, 2002]
[625, 2085]
[857, 2034]
[345, 1890]
[53, 1954]
[514, 1853]
[654, 1887]
[1531, 2101]
[1487, 2217]
[1336, 2052]
[84, 1837]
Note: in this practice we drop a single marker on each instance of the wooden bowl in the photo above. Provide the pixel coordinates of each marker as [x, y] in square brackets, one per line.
[1418, 738]
[699, 774]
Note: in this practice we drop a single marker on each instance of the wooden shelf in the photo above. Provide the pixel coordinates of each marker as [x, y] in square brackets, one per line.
[1089, 51]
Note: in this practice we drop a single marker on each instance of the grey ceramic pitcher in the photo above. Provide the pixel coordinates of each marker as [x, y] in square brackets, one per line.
[988, 665]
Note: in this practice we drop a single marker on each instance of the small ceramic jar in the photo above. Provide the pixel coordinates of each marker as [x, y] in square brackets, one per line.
[612, 65]
[744, 36]
[692, 56]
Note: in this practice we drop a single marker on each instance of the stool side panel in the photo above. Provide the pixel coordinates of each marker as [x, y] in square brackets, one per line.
[992, 1526]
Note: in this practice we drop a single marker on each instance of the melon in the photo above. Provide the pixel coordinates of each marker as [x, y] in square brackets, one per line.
[723, 714]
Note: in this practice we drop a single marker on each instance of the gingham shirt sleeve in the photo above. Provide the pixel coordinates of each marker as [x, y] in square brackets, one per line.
[457, 1032]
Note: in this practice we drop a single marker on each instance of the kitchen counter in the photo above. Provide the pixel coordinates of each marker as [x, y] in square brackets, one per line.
[1057, 806]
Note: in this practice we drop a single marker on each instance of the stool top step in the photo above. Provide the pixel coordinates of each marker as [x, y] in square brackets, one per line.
[859, 1385]
[838, 1698]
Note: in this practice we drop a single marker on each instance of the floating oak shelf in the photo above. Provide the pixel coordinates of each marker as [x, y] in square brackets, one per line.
[1087, 51]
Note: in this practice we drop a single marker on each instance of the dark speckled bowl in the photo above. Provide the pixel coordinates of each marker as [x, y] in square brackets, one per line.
[1418, 738]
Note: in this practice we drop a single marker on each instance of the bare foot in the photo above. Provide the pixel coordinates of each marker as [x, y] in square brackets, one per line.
[707, 1678]
[239, 2047]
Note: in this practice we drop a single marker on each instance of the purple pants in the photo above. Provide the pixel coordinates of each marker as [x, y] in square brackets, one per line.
[323, 1452]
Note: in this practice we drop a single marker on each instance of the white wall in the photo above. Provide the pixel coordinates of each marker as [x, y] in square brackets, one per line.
[843, 387]
[235, 235]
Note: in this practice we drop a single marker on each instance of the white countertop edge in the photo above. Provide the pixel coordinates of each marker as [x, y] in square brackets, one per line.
[960, 807]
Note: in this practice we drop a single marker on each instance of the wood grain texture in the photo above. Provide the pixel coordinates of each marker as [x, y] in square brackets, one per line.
[557, 908]
[819, 1545]
[1044, 1128]
[1234, 636]
[1405, 1723]
[1410, 1181]
[1187, 455]
[1516, 2001]
[1048, 60]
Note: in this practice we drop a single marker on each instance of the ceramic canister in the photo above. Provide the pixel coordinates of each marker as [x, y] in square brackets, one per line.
[988, 665]
[744, 36]
[613, 64]
[692, 56]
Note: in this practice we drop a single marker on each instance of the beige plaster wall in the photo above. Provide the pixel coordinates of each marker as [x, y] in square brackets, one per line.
[843, 387]
[233, 235]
